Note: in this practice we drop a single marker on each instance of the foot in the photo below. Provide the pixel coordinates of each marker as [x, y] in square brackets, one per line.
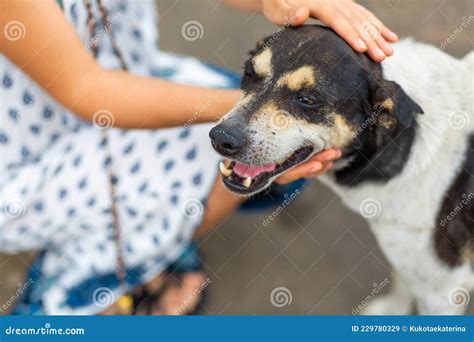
[182, 296]
[177, 295]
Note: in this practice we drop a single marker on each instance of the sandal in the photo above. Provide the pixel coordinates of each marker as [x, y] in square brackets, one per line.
[144, 300]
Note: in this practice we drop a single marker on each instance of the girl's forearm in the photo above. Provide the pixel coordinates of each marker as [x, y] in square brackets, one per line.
[142, 102]
[52, 54]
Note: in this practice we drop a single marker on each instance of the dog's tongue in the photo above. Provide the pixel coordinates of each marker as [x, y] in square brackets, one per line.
[252, 171]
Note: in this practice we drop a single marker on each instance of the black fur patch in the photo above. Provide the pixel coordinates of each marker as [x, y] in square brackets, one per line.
[377, 155]
[455, 228]
[383, 143]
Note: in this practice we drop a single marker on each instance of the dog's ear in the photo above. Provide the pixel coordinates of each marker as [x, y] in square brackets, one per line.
[261, 44]
[390, 104]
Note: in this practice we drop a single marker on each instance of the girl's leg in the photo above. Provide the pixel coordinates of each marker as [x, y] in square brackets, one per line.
[221, 203]
[182, 296]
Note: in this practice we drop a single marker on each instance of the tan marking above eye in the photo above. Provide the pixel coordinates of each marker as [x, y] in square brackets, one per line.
[269, 108]
[295, 80]
[262, 63]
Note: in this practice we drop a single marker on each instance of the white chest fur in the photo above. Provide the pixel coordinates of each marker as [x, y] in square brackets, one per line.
[437, 82]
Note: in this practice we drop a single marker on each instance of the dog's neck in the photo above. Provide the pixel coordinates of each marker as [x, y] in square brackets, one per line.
[375, 156]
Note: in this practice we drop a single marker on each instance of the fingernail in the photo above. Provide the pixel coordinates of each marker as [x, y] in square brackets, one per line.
[393, 35]
[359, 43]
[378, 53]
[300, 11]
[388, 48]
[316, 167]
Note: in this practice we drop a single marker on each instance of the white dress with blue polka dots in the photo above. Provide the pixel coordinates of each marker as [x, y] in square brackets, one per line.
[54, 186]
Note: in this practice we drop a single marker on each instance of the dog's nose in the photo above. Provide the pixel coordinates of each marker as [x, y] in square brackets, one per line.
[227, 141]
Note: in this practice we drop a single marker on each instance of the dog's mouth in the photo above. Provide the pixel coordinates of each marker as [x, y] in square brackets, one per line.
[249, 179]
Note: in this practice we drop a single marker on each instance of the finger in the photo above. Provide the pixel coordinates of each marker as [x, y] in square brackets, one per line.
[326, 155]
[371, 32]
[384, 30]
[370, 28]
[344, 28]
[300, 171]
[383, 45]
[282, 13]
[373, 50]
[389, 34]
[299, 17]
[375, 29]
[324, 170]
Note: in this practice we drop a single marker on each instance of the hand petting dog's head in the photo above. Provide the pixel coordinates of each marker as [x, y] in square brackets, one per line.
[305, 90]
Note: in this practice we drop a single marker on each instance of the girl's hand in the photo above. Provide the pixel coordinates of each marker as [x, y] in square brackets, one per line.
[353, 22]
[318, 164]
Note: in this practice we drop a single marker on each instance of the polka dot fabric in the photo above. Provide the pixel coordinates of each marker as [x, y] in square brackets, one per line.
[54, 187]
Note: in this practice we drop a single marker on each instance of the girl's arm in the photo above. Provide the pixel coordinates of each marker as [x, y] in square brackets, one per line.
[52, 54]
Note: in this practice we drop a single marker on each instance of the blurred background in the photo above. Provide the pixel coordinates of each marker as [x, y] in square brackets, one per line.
[323, 256]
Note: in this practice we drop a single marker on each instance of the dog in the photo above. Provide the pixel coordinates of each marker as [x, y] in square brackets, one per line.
[405, 127]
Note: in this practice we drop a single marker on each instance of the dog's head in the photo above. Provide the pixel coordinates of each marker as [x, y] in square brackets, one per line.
[305, 90]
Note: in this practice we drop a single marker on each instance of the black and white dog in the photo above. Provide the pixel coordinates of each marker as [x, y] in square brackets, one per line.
[406, 128]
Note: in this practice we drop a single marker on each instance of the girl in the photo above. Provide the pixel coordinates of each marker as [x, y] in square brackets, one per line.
[106, 167]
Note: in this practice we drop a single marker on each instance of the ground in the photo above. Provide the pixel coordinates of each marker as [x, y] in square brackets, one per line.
[323, 255]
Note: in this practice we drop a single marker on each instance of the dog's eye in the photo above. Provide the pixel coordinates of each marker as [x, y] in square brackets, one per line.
[307, 101]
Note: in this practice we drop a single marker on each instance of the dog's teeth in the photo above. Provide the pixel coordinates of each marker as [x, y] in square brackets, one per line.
[224, 170]
[247, 182]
